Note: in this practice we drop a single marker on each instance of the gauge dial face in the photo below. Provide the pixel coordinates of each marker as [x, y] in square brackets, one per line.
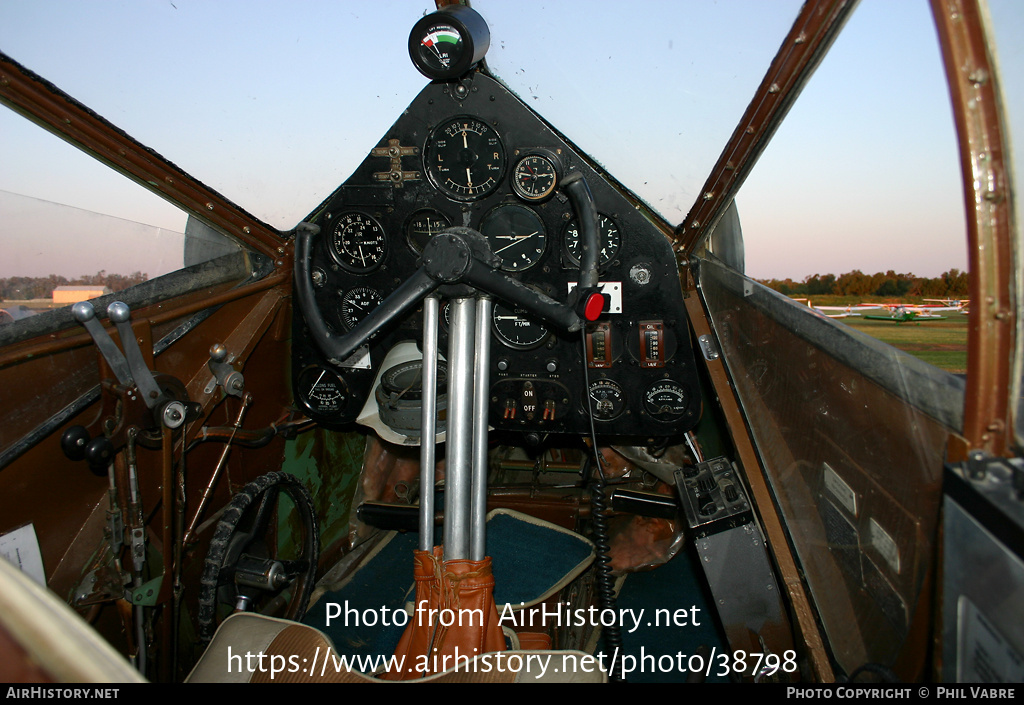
[358, 242]
[445, 44]
[666, 399]
[516, 234]
[610, 240]
[321, 391]
[515, 330]
[423, 225]
[437, 49]
[357, 303]
[534, 178]
[464, 158]
[606, 399]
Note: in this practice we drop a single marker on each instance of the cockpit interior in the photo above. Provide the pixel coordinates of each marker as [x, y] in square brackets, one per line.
[485, 414]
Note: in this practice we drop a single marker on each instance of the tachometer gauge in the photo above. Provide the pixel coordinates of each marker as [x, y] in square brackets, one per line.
[516, 330]
[321, 391]
[423, 225]
[609, 237]
[464, 158]
[606, 399]
[357, 303]
[535, 177]
[445, 44]
[516, 234]
[358, 242]
[666, 399]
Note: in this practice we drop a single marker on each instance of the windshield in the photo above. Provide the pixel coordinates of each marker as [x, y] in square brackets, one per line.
[273, 104]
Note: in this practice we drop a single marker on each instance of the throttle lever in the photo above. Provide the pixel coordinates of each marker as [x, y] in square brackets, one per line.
[120, 314]
[130, 368]
[85, 314]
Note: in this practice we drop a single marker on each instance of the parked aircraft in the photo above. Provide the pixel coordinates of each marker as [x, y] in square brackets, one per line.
[902, 315]
[482, 380]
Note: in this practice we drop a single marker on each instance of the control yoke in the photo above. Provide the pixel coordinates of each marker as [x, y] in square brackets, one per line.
[459, 255]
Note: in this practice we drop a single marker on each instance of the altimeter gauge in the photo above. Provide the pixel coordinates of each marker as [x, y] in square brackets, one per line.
[609, 237]
[464, 158]
[358, 242]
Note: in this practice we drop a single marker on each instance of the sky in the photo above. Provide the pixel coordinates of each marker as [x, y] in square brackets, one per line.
[274, 104]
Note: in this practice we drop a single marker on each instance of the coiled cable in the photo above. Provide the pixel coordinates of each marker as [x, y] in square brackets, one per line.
[599, 511]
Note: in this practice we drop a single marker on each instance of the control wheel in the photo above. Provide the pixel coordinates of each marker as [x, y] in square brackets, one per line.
[263, 555]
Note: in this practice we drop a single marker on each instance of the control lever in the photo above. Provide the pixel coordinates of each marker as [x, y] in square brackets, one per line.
[85, 314]
[129, 368]
[121, 315]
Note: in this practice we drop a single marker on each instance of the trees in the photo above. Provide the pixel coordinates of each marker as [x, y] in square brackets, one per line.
[19, 288]
[951, 284]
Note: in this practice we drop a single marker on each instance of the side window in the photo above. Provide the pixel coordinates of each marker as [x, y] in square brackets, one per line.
[74, 229]
[858, 199]
[861, 179]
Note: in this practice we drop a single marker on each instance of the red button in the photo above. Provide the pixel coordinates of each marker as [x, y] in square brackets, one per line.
[594, 307]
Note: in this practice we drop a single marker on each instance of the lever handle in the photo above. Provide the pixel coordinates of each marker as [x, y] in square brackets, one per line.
[121, 315]
[86, 315]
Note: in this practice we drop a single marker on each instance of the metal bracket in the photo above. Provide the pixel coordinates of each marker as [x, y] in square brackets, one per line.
[395, 175]
[146, 594]
[708, 348]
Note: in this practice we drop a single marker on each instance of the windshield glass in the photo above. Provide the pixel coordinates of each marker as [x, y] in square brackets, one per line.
[273, 104]
[652, 91]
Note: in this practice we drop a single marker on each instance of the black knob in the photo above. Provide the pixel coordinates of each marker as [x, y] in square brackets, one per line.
[98, 453]
[73, 442]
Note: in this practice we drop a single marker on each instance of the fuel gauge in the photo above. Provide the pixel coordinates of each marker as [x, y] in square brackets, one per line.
[321, 391]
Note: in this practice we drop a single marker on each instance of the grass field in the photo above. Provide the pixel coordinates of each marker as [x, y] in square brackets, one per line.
[942, 343]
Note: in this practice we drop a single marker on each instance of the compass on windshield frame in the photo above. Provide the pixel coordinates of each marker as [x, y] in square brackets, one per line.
[445, 44]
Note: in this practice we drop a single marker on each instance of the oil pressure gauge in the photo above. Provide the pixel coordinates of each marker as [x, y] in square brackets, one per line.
[445, 44]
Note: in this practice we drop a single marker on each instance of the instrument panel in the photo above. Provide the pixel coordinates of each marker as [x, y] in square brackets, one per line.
[472, 154]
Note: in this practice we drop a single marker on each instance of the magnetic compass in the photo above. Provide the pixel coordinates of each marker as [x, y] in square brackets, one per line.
[445, 44]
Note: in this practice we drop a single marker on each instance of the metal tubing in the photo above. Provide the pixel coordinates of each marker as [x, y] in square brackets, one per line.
[208, 491]
[428, 422]
[459, 434]
[481, 378]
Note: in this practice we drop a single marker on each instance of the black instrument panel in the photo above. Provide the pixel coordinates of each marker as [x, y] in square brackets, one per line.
[471, 154]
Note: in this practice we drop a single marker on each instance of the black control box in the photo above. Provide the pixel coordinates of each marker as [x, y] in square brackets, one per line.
[712, 496]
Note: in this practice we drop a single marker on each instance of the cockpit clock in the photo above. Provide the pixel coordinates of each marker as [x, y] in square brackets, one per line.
[535, 176]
